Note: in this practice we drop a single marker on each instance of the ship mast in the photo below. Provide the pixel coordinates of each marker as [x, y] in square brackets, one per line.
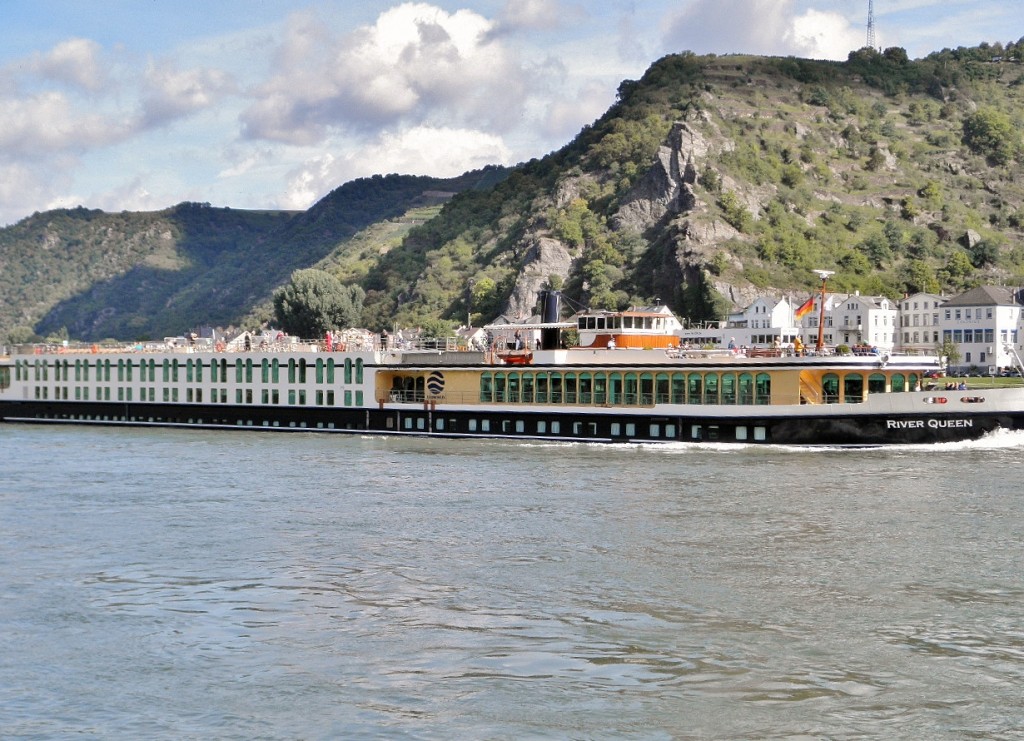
[823, 274]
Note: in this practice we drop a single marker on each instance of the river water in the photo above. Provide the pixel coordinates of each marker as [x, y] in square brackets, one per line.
[166, 584]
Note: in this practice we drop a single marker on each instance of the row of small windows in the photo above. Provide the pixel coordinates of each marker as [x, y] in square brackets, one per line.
[660, 430]
[625, 389]
[298, 371]
[850, 387]
[295, 397]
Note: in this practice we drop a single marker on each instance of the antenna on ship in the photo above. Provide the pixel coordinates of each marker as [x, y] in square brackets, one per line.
[823, 274]
[871, 24]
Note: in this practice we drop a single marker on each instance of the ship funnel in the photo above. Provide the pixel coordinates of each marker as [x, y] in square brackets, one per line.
[550, 308]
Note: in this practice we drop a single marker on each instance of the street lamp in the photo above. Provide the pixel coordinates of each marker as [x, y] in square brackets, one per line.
[823, 274]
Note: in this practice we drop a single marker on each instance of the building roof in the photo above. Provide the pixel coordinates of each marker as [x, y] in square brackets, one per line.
[984, 296]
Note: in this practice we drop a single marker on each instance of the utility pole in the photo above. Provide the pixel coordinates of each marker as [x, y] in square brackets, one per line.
[823, 274]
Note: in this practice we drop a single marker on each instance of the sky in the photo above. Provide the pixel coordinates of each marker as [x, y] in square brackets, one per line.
[136, 105]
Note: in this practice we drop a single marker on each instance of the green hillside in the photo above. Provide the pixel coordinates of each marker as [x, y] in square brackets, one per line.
[711, 181]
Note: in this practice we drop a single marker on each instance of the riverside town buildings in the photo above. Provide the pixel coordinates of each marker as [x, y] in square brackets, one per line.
[981, 322]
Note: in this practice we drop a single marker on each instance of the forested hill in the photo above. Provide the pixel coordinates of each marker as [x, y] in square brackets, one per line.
[714, 180]
[710, 181]
[142, 275]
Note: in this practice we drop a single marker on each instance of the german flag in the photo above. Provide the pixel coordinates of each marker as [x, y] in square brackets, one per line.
[805, 308]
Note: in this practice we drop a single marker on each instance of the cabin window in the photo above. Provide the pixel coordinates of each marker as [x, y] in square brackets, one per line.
[302, 370]
[646, 389]
[695, 385]
[275, 371]
[319, 370]
[615, 389]
[264, 371]
[359, 370]
[876, 383]
[678, 388]
[915, 382]
[556, 388]
[542, 388]
[830, 388]
[513, 387]
[238, 370]
[570, 388]
[631, 389]
[899, 383]
[348, 370]
[728, 388]
[600, 388]
[763, 389]
[189, 372]
[711, 388]
[499, 387]
[248, 371]
[661, 388]
[330, 370]
[486, 387]
[586, 389]
[853, 388]
[527, 390]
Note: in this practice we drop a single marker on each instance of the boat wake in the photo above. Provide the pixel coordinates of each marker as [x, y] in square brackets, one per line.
[997, 440]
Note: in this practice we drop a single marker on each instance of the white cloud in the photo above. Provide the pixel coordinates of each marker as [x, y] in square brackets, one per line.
[770, 27]
[421, 150]
[75, 61]
[44, 123]
[535, 15]
[818, 35]
[417, 65]
[170, 93]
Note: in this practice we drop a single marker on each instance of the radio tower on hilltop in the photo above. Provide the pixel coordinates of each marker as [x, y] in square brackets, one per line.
[871, 24]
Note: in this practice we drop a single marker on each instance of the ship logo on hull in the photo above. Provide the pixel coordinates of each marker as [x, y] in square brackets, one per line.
[435, 383]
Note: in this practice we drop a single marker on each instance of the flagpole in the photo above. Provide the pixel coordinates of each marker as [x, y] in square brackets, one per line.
[823, 274]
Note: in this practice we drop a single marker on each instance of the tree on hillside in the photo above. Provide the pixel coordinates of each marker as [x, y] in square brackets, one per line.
[991, 133]
[314, 302]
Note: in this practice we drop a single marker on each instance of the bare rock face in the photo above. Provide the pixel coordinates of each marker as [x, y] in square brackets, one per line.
[544, 257]
[667, 188]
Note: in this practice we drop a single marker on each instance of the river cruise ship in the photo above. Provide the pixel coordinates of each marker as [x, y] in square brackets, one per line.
[619, 387]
